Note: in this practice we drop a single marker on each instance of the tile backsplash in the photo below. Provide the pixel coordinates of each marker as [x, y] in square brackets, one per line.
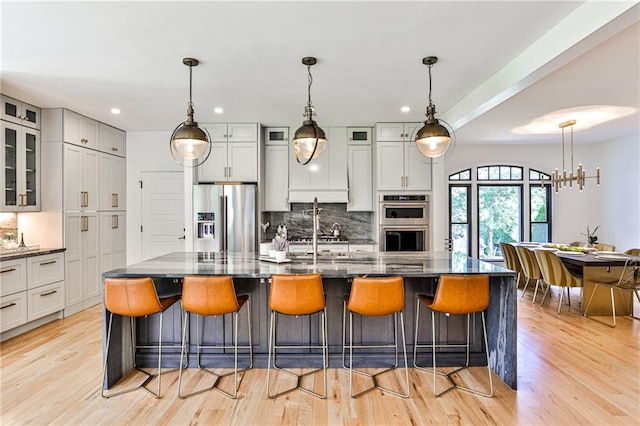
[353, 225]
[8, 224]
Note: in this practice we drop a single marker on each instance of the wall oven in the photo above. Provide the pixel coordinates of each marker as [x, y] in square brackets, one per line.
[404, 223]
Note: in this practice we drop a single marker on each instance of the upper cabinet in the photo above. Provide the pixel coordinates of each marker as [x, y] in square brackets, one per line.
[400, 166]
[112, 140]
[324, 177]
[396, 132]
[275, 179]
[80, 130]
[21, 113]
[112, 183]
[20, 165]
[81, 174]
[359, 135]
[234, 153]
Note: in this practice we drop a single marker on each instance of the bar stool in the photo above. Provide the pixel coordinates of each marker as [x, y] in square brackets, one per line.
[458, 295]
[296, 295]
[375, 297]
[212, 296]
[134, 297]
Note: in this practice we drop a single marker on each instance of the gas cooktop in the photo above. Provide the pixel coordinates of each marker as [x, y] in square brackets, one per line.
[321, 239]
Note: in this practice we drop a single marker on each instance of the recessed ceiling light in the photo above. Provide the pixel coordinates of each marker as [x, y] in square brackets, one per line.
[115, 111]
[585, 117]
[405, 109]
[218, 110]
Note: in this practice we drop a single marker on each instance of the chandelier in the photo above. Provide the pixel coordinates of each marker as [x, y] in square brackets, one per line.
[580, 177]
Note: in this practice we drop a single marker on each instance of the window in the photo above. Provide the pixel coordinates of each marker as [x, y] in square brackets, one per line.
[504, 211]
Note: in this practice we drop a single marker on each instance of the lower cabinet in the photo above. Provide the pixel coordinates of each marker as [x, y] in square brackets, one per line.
[30, 289]
[83, 284]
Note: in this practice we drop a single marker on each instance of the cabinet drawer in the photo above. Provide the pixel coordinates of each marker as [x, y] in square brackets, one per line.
[13, 276]
[13, 311]
[362, 248]
[45, 269]
[45, 300]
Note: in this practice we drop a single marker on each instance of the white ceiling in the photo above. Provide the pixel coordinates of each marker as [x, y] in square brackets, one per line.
[502, 64]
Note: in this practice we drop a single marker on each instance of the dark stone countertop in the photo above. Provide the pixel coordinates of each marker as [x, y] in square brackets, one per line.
[176, 265]
[25, 254]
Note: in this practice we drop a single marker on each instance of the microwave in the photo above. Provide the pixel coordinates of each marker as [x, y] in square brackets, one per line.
[403, 210]
[404, 238]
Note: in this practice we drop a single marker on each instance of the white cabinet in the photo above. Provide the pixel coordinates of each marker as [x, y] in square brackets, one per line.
[30, 288]
[234, 153]
[20, 165]
[80, 130]
[324, 177]
[360, 178]
[82, 271]
[396, 132]
[81, 178]
[362, 248]
[112, 241]
[276, 178]
[400, 166]
[112, 182]
[112, 140]
[20, 113]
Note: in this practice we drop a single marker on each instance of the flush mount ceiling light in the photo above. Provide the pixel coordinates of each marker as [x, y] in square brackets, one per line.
[581, 175]
[586, 116]
[189, 144]
[309, 140]
[433, 138]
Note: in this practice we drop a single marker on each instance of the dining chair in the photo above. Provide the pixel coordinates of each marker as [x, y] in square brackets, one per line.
[511, 260]
[629, 281]
[578, 244]
[604, 247]
[555, 273]
[633, 252]
[530, 269]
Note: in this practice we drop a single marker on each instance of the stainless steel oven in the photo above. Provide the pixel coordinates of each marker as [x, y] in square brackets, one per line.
[404, 223]
[404, 210]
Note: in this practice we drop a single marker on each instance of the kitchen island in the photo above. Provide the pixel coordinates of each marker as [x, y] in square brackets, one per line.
[251, 276]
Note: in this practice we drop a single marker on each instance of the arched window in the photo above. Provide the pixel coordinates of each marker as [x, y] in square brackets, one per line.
[498, 203]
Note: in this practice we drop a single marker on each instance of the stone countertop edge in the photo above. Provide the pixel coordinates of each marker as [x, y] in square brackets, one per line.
[179, 264]
[21, 255]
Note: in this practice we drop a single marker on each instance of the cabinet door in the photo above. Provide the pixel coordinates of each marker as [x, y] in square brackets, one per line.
[91, 257]
[73, 197]
[112, 140]
[242, 132]
[112, 241]
[112, 182]
[215, 168]
[390, 166]
[360, 178]
[410, 130]
[80, 130]
[18, 112]
[90, 179]
[73, 257]
[417, 169]
[20, 168]
[9, 163]
[217, 131]
[242, 162]
[389, 132]
[30, 167]
[336, 155]
[276, 179]
[119, 183]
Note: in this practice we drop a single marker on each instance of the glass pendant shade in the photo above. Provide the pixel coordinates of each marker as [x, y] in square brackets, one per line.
[433, 139]
[309, 141]
[190, 141]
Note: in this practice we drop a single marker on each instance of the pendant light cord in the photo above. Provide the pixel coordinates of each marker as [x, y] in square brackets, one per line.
[309, 87]
[430, 102]
[190, 84]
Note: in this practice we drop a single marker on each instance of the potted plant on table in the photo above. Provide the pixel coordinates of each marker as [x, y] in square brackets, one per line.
[280, 245]
[592, 238]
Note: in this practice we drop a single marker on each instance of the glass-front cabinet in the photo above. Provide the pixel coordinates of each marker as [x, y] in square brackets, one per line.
[20, 168]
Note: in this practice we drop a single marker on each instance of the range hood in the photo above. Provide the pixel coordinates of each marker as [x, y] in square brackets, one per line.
[324, 196]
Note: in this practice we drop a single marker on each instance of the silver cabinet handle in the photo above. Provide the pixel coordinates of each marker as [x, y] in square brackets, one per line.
[49, 293]
[8, 270]
[51, 262]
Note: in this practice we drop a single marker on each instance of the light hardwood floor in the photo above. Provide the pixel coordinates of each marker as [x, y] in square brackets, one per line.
[570, 371]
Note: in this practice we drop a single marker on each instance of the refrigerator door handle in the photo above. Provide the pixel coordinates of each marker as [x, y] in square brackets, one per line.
[223, 223]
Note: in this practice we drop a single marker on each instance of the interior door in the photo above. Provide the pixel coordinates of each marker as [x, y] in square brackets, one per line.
[162, 213]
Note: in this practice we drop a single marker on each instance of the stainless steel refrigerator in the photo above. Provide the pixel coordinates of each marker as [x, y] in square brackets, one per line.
[225, 218]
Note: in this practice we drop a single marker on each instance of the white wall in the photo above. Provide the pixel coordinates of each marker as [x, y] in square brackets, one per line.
[146, 152]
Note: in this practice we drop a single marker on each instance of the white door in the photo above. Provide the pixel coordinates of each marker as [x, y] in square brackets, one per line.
[162, 213]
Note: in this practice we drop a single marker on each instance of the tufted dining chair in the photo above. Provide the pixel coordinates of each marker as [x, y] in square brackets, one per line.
[530, 269]
[511, 260]
[555, 273]
[633, 251]
[604, 247]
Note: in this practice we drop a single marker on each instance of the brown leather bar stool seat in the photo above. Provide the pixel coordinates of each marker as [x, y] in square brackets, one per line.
[133, 298]
[375, 297]
[213, 296]
[455, 295]
[297, 295]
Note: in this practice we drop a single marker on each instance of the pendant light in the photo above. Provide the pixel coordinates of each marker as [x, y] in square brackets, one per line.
[309, 140]
[189, 144]
[562, 180]
[433, 138]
